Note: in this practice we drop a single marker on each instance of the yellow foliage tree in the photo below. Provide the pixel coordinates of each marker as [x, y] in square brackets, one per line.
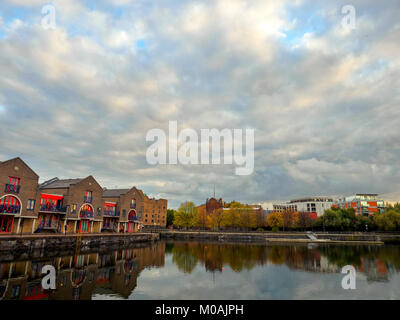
[275, 220]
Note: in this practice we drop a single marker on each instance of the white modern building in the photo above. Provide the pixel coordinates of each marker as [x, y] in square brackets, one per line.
[316, 205]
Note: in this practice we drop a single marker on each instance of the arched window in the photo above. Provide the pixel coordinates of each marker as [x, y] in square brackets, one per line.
[132, 215]
[10, 204]
[86, 212]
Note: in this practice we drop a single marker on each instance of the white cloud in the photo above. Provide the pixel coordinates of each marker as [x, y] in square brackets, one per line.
[325, 113]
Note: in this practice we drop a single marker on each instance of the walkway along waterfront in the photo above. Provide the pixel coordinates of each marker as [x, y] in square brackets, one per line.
[78, 241]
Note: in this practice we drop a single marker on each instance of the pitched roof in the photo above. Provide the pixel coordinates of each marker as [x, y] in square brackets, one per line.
[23, 162]
[112, 193]
[58, 183]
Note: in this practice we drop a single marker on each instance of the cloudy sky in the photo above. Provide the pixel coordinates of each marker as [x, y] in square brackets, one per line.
[323, 99]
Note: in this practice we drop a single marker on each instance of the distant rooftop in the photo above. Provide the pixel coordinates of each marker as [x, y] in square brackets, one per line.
[56, 183]
[112, 193]
[313, 199]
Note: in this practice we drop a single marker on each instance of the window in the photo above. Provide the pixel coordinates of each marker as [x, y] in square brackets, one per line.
[73, 209]
[31, 204]
[14, 181]
[13, 185]
[99, 211]
[15, 291]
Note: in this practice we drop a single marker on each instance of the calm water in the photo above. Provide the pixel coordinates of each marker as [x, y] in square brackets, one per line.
[206, 270]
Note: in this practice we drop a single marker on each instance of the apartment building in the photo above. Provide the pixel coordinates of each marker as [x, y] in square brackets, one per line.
[313, 205]
[71, 204]
[135, 209]
[78, 205]
[18, 189]
[362, 203]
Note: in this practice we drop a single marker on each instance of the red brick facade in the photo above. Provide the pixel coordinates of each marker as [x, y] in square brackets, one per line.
[71, 205]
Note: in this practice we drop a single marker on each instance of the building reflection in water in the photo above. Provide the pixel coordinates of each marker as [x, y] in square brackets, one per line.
[115, 273]
[80, 276]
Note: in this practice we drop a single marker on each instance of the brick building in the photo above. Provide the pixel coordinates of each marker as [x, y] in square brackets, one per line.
[136, 209]
[76, 205]
[18, 188]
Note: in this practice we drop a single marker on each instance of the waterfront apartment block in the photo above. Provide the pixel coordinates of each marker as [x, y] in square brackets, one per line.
[134, 209]
[71, 205]
[362, 203]
[313, 205]
[18, 191]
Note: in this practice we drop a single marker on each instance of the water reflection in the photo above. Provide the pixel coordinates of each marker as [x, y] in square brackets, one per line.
[376, 262]
[114, 274]
[79, 276]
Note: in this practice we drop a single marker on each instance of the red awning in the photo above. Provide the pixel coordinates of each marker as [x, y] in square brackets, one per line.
[51, 196]
[110, 204]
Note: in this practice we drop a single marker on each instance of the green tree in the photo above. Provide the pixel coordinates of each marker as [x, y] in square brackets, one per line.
[388, 221]
[170, 216]
[185, 216]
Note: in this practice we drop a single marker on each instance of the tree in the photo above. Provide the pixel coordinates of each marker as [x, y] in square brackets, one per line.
[247, 217]
[305, 220]
[185, 215]
[215, 219]
[289, 219]
[388, 221]
[170, 216]
[200, 219]
[275, 220]
[338, 219]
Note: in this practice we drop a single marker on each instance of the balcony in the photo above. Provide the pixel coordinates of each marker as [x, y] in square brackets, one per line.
[10, 209]
[109, 227]
[52, 208]
[12, 188]
[111, 213]
[132, 218]
[86, 215]
[49, 225]
[87, 199]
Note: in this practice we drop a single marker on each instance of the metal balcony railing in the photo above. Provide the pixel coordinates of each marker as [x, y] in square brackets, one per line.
[54, 225]
[132, 218]
[12, 188]
[87, 199]
[52, 208]
[111, 213]
[10, 209]
[87, 215]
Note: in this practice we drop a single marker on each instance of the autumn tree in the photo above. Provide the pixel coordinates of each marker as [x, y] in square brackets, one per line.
[305, 220]
[275, 220]
[200, 218]
[214, 220]
[247, 217]
[289, 219]
[231, 217]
